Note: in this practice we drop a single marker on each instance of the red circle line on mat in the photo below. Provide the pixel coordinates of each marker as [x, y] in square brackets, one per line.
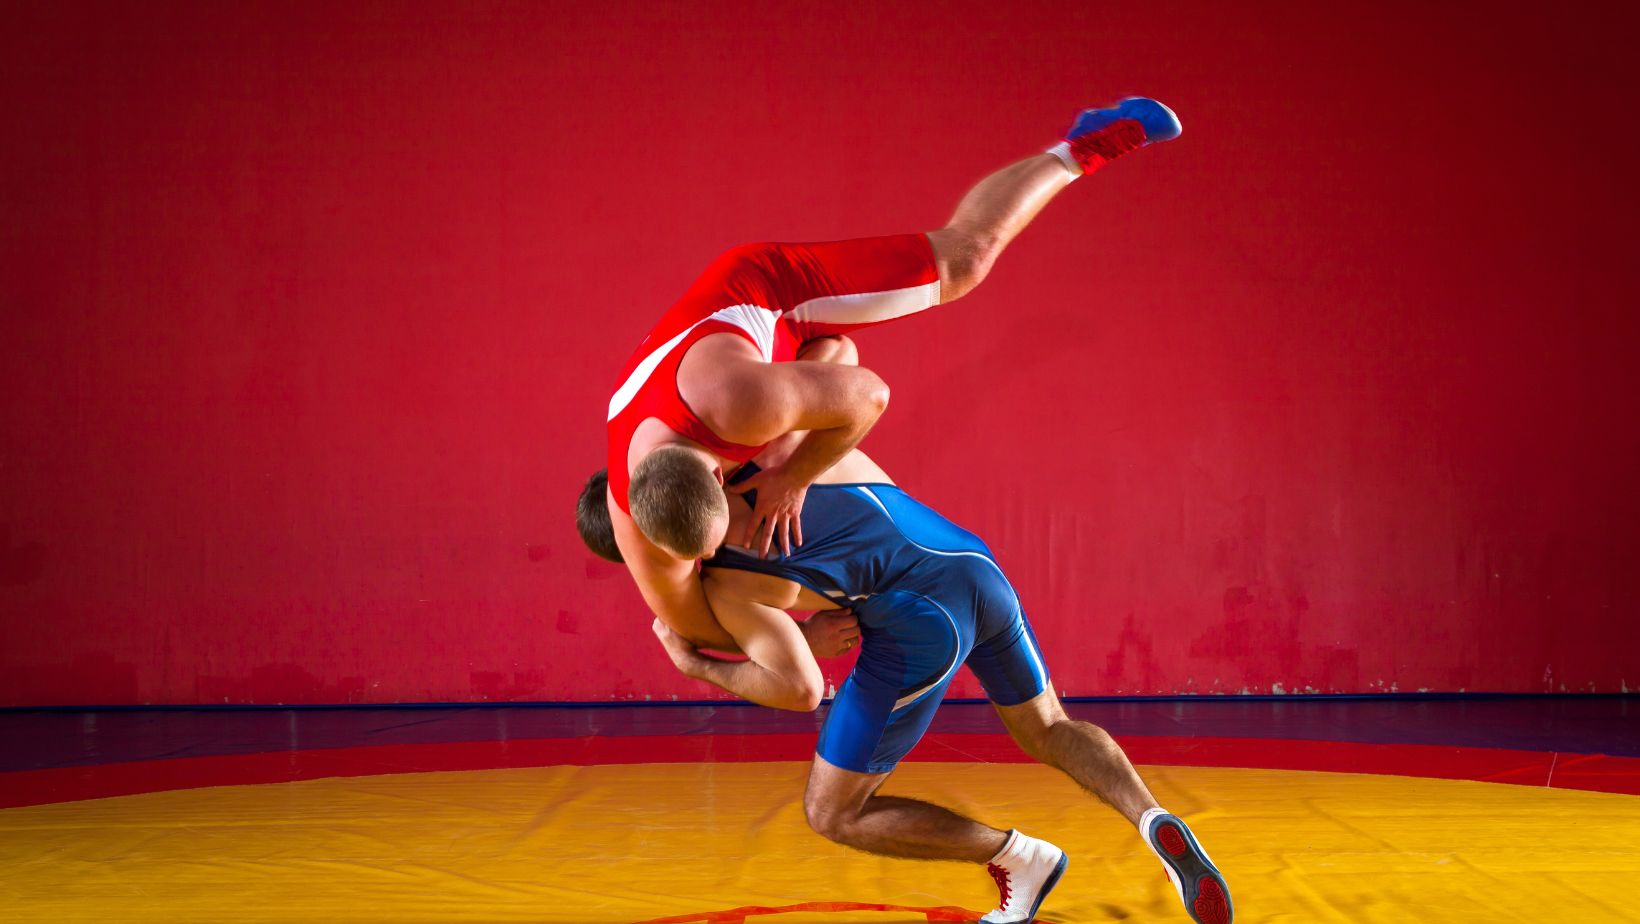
[739, 915]
[1595, 772]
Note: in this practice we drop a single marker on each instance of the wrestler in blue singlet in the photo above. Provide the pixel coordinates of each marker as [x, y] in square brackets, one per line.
[929, 597]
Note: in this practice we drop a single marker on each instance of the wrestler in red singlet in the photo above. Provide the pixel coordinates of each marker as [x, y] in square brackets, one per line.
[778, 296]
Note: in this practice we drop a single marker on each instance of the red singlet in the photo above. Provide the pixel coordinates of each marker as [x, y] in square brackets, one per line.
[778, 296]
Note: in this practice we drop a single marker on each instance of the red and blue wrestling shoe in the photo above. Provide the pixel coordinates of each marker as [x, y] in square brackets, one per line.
[1099, 136]
[1200, 884]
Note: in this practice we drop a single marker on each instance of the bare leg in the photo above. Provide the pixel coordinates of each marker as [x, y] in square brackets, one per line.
[835, 348]
[1083, 751]
[990, 216]
[842, 806]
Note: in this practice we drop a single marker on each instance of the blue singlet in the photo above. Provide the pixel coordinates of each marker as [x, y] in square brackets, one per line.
[929, 597]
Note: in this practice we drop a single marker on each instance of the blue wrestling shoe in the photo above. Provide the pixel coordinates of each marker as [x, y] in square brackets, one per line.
[1200, 885]
[1099, 136]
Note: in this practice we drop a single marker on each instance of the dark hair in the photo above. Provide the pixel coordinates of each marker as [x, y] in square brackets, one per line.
[592, 518]
[675, 499]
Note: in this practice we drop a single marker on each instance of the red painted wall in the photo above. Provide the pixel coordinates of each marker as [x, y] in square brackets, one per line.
[311, 312]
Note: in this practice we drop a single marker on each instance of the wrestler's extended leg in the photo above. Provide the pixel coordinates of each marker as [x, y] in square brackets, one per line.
[993, 213]
[1088, 755]
[838, 287]
[990, 216]
[1083, 751]
[843, 806]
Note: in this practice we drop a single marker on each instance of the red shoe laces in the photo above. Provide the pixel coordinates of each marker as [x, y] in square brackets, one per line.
[1108, 143]
[1001, 876]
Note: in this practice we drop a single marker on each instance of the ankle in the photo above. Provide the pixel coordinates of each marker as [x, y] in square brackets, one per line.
[1007, 848]
[1086, 153]
[1148, 814]
[1021, 851]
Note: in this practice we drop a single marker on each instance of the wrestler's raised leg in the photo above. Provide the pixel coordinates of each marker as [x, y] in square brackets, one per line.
[990, 216]
[993, 213]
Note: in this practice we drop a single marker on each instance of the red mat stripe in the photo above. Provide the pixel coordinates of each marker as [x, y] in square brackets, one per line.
[1529, 768]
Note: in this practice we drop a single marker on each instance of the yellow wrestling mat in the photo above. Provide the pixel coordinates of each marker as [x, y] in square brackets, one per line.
[687, 842]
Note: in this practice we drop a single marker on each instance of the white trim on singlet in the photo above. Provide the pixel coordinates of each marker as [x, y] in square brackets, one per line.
[956, 637]
[758, 322]
[868, 307]
[1019, 608]
[755, 320]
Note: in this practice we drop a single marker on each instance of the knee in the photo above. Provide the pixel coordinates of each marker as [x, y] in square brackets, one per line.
[827, 819]
[965, 258]
[1068, 740]
[1046, 733]
[1032, 722]
[1035, 738]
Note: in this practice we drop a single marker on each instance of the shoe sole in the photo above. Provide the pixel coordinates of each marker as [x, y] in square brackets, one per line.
[1200, 885]
[1178, 127]
[1049, 883]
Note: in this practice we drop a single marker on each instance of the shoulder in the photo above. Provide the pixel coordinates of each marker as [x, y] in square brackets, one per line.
[732, 389]
[650, 565]
[749, 587]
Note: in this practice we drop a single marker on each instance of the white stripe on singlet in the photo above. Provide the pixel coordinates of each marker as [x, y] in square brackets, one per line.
[758, 322]
[956, 647]
[755, 320]
[1019, 609]
[867, 307]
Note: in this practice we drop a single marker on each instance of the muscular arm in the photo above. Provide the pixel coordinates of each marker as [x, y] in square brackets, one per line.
[837, 404]
[671, 587]
[780, 671]
[836, 349]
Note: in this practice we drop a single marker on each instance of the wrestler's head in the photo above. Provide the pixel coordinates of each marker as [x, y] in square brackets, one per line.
[592, 518]
[677, 500]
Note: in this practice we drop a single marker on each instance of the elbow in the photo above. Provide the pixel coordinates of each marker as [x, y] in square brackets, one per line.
[806, 695]
[812, 697]
[875, 399]
[807, 702]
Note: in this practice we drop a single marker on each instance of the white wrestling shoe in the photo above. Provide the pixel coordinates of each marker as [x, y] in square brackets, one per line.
[1200, 884]
[1026, 870]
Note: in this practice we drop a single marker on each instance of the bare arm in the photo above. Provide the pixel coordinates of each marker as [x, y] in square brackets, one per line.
[779, 671]
[671, 587]
[837, 404]
[837, 349]
[676, 593]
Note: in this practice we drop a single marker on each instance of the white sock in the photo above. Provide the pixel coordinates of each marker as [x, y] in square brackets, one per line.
[1062, 150]
[1010, 849]
[1017, 850]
